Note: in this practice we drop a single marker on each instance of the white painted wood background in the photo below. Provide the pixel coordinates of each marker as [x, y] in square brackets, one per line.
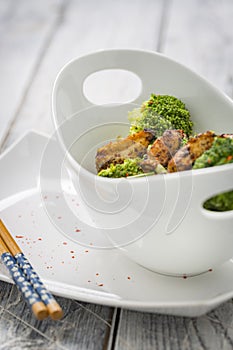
[36, 39]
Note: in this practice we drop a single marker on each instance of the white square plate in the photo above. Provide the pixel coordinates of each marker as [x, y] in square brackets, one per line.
[71, 264]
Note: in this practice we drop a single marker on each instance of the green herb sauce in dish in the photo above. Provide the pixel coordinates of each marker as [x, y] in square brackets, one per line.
[220, 153]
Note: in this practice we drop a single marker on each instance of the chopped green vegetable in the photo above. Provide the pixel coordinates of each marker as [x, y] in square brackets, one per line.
[221, 152]
[221, 202]
[159, 113]
[130, 167]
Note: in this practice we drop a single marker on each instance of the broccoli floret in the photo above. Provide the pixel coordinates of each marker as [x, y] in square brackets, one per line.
[221, 152]
[221, 202]
[148, 120]
[130, 167]
[159, 113]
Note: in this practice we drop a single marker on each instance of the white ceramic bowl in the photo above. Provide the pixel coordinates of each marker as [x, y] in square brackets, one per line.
[158, 221]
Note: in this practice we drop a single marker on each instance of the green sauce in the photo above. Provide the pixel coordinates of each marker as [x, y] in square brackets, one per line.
[220, 153]
[221, 202]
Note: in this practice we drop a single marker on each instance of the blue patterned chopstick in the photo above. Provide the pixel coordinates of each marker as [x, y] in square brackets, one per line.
[54, 309]
[31, 297]
[30, 275]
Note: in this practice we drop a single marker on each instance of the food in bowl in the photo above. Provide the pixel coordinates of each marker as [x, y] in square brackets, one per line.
[160, 141]
[157, 221]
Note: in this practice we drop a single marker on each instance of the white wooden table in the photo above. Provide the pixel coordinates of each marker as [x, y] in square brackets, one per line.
[36, 39]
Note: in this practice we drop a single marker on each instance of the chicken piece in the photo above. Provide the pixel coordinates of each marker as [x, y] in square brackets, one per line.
[173, 139]
[185, 157]
[149, 165]
[166, 146]
[132, 146]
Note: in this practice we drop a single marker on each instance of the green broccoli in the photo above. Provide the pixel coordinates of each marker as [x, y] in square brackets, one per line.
[221, 202]
[159, 113]
[130, 167]
[221, 152]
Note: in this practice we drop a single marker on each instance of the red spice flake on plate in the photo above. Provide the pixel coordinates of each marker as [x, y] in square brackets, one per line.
[39, 239]
[128, 278]
[65, 243]
[86, 251]
[19, 236]
[100, 285]
[184, 277]
[72, 251]
[77, 230]
[210, 270]
[73, 257]
[97, 274]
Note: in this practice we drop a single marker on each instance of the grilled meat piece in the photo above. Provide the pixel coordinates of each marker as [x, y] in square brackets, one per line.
[149, 165]
[166, 146]
[173, 139]
[185, 157]
[132, 146]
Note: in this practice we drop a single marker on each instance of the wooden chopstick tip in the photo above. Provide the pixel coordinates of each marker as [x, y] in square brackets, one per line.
[54, 310]
[40, 310]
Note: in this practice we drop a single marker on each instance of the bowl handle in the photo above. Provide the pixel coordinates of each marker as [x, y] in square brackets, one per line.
[68, 85]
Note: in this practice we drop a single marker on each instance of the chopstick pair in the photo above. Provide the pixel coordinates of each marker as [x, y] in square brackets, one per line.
[28, 282]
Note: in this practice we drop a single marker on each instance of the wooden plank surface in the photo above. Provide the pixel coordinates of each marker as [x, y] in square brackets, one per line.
[84, 326]
[108, 24]
[36, 39]
[25, 31]
[148, 331]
